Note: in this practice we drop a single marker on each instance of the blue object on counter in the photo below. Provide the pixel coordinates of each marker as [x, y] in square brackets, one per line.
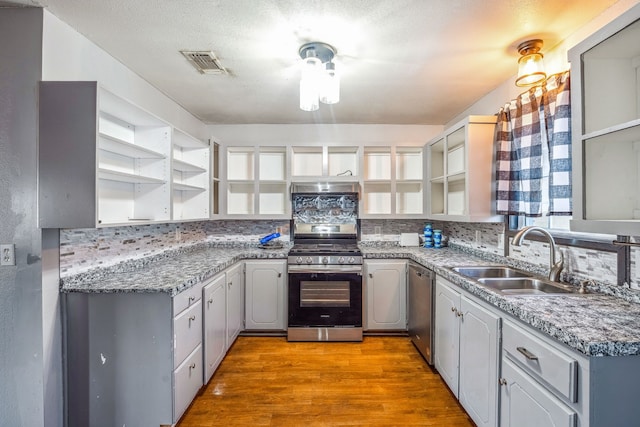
[269, 237]
[437, 239]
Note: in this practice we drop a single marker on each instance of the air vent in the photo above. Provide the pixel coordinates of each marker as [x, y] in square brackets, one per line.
[204, 61]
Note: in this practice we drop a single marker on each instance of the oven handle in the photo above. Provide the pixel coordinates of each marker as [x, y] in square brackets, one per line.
[328, 269]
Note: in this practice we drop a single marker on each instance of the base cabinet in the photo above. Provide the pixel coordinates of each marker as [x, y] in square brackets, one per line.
[132, 358]
[386, 294]
[525, 403]
[265, 295]
[214, 301]
[466, 351]
[235, 302]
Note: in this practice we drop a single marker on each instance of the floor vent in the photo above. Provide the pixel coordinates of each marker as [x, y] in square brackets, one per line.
[204, 61]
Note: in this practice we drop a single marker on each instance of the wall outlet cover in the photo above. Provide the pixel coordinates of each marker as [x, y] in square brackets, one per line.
[7, 254]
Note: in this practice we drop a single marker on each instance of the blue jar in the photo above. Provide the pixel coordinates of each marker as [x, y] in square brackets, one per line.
[437, 239]
[428, 242]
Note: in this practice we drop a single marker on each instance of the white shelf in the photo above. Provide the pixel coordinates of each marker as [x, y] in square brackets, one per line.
[178, 186]
[119, 146]
[130, 178]
[183, 166]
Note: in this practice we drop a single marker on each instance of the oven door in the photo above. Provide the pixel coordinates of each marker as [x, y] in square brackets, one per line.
[327, 299]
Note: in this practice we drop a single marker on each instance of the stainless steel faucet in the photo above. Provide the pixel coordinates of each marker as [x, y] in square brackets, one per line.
[554, 267]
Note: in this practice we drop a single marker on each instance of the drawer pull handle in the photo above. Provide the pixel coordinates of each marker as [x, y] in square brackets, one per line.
[527, 353]
[191, 319]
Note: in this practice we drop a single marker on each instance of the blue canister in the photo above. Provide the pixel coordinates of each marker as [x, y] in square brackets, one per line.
[437, 238]
[428, 232]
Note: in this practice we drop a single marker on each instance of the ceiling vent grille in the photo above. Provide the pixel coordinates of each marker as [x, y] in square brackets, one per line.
[205, 62]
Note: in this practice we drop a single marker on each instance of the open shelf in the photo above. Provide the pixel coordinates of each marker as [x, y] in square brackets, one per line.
[178, 186]
[119, 146]
[182, 166]
[112, 175]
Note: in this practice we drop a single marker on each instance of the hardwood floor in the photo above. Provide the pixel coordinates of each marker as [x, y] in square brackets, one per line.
[267, 381]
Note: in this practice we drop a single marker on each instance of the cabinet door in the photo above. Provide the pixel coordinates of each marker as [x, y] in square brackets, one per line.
[479, 332]
[265, 297]
[525, 403]
[235, 306]
[447, 334]
[215, 324]
[386, 287]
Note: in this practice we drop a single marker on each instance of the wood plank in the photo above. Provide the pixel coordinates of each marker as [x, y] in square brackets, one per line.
[267, 381]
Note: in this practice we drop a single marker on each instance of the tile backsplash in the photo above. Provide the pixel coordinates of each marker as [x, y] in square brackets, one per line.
[84, 249]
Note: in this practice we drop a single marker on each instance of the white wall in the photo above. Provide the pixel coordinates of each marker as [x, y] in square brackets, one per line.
[555, 61]
[68, 55]
[324, 134]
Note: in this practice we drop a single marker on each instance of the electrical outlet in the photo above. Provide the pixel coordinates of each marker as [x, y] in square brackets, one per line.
[8, 254]
[377, 229]
[478, 237]
[501, 240]
[178, 235]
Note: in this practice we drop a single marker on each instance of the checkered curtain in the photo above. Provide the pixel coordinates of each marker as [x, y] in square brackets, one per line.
[533, 151]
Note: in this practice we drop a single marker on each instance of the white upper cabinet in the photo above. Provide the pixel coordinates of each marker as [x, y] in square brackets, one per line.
[257, 182]
[605, 102]
[460, 172]
[104, 161]
[393, 181]
[327, 163]
[191, 182]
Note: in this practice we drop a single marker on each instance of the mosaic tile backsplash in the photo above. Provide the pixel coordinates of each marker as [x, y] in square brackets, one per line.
[325, 209]
[84, 249]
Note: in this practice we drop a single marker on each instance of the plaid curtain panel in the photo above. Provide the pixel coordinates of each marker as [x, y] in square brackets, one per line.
[533, 151]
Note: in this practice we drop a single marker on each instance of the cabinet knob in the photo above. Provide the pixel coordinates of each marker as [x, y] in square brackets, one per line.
[192, 366]
[279, 274]
[454, 309]
[210, 301]
[527, 353]
[230, 283]
[371, 275]
[460, 314]
[191, 319]
[191, 299]
[502, 381]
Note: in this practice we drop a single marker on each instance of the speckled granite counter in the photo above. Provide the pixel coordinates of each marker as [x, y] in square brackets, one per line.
[596, 325]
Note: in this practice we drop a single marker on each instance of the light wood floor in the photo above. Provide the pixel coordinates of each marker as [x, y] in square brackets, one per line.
[267, 381]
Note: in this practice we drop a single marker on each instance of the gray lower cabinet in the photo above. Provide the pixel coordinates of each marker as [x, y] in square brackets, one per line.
[265, 295]
[385, 289]
[526, 403]
[467, 339]
[214, 302]
[235, 302]
[132, 358]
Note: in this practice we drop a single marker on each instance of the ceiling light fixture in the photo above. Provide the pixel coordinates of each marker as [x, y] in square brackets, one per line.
[318, 81]
[530, 65]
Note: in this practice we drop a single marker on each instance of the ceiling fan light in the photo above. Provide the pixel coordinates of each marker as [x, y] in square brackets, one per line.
[309, 95]
[530, 65]
[330, 89]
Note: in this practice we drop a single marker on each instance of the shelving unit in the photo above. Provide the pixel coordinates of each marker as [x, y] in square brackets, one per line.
[266, 196]
[461, 171]
[605, 102]
[215, 179]
[327, 163]
[388, 171]
[190, 183]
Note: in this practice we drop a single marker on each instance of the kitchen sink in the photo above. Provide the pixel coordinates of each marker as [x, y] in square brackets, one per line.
[524, 286]
[477, 272]
[511, 281]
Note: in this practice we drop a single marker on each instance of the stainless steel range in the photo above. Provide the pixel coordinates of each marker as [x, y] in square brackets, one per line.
[325, 266]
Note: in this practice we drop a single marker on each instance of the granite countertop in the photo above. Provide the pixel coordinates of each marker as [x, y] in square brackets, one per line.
[593, 324]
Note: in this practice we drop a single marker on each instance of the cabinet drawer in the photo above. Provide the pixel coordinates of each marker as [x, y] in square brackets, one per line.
[187, 380]
[187, 332]
[541, 360]
[186, 298]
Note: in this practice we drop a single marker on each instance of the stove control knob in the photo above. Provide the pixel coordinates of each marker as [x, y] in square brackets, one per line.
[309, 260]
[325, 260]
[352, 260]
[341, 260]
[299, 260]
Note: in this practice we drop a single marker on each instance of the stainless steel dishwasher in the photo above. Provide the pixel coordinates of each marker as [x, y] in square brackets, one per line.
[421, 309]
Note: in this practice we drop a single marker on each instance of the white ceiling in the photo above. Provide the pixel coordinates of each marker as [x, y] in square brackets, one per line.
[401, 61]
